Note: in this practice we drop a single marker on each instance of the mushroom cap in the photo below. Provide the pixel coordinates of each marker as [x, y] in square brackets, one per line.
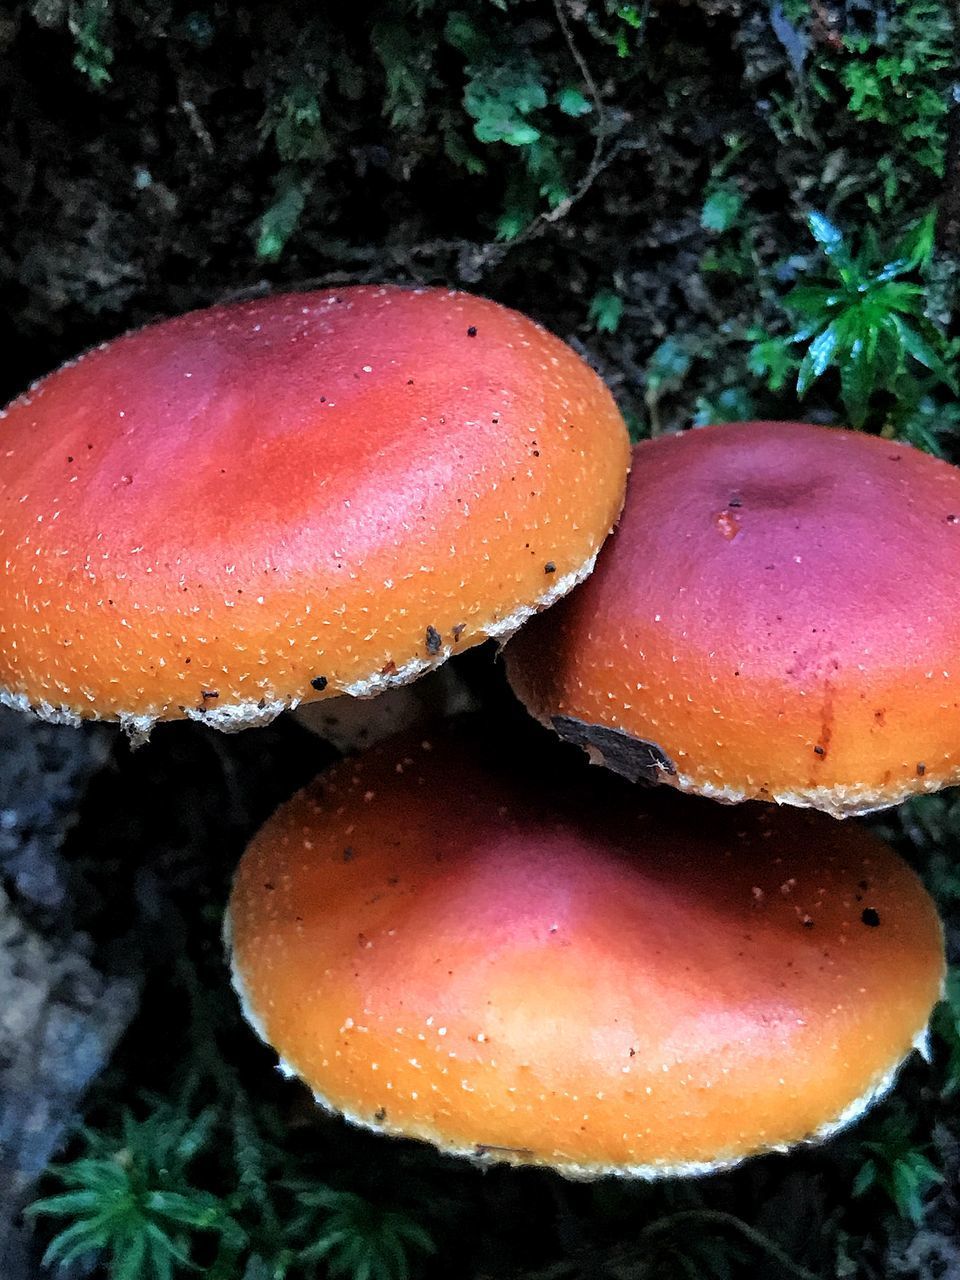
[580, 974]
[775, 618]
[266, 503]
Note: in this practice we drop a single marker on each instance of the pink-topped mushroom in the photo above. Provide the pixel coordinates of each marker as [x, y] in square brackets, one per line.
[257, 505]
[775, 618]
[564, 973]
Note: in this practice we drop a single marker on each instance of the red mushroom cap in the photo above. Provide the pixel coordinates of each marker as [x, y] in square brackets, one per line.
[255, 505]
[776, 617]
[568, 975]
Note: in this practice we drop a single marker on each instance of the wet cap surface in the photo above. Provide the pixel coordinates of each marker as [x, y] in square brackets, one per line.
[776, 614]
[584, 975]
[249, 506]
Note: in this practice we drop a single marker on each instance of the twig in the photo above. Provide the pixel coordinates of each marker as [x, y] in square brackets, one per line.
[196, 124]
[601, 157]
[730, 1222]
[596, 161]
[482, 254]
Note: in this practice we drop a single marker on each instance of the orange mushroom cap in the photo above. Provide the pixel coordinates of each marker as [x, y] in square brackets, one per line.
[256, 505]
[775, 618]
[566, 975]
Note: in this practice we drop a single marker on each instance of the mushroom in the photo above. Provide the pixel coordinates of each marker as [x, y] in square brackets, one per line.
[775, 618]
[576, 973]
[251, 506]
[350, 724]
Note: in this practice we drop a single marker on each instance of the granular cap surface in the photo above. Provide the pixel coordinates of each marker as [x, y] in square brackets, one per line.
[255, 505]
[582, 975]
